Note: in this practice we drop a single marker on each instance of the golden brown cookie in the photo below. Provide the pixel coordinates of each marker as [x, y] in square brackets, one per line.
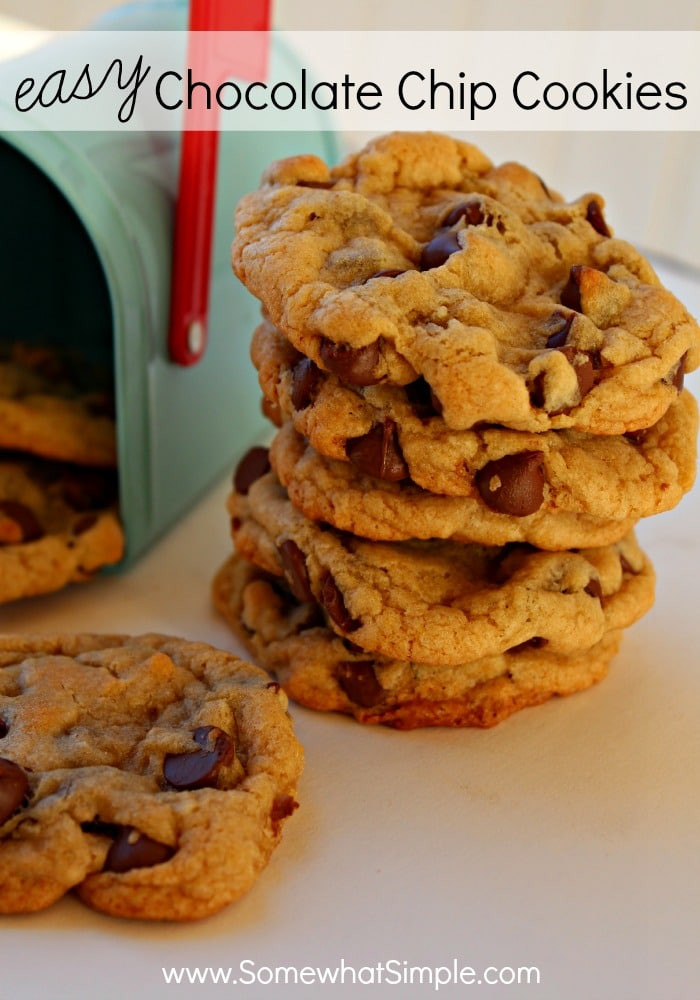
[320, 670]
[442, 602]
[418, 258]
[58, 525]
[43, 412]
[150, 774]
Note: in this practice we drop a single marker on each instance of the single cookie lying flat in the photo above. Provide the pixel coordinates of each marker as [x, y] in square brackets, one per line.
[43, 413]
[442, 602]
[566, 491]
[418, 257]
[150, 774]
[58, 525]
[320, 670]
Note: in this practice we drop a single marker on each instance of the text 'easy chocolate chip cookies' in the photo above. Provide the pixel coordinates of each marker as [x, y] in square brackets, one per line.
[478, 391]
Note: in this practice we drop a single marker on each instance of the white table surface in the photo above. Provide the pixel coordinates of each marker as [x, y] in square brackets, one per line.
[567, 838]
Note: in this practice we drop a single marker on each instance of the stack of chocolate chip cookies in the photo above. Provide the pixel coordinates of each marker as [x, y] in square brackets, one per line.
[58, 484]
[478, 392]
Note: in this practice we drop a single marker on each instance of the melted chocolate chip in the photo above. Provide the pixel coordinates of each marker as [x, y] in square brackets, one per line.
[438, 250]
[14, 785]
[332, 600]
[378, 453]
[359, 682]
[558, 338]
[282, 806]
[470, 211]
[355, 365]
[593, 588]
[133, 849]
[513, 484]
[679, 373]
[582, 363]
[389, 272]
[295, 571]
[24, 518]
[101, 829]
[305, 378]
[571, 292]
[422, 399]
[199, 768]
[536, 642]
[594, 216]
[254, 464]
[273, 686]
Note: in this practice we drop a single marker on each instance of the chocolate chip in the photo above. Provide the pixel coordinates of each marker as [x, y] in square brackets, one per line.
[101, 829]
[24, 518]
[423, 400]
[359, 682]
[389, 272]
[85, 490]
[282, 806]
[438, 250]
[273, 686]
[199, 768]
[4, 729]
[637, 437]
[133, 849]
[582, 363]
[678, 374]
[295, 571]
[593, 588]
[254, 464]
[470, 211]
[14, 785]
[323, 185]
[564, 321]
[378, 453]
[594, 216]
[571, 292]
[513, 484]
[536, 642]
[305, 378]
[352, 364]
[332, 600]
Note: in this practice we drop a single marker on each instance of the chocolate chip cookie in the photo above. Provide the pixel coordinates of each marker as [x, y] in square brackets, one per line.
[418, 259]
[557, 490]
[58, 525]
[442, 602]
[44, 413]
[150, 774]
[322, 671]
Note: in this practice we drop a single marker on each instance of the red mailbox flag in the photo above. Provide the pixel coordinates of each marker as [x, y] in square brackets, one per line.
[241, 55]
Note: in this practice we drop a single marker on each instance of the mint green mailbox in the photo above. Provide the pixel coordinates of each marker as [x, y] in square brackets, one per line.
[87, 224]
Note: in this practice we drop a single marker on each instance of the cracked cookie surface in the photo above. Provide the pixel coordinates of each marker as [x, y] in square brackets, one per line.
[150, 774]
[418, 258]
[442, 602]
[317, 668]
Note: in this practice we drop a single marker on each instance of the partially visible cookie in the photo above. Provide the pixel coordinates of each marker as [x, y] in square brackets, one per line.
[44, 413]
[58, 525]
[418, 258]
[320, 670]
[150, 774]
[572, 493]
[442, 602]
